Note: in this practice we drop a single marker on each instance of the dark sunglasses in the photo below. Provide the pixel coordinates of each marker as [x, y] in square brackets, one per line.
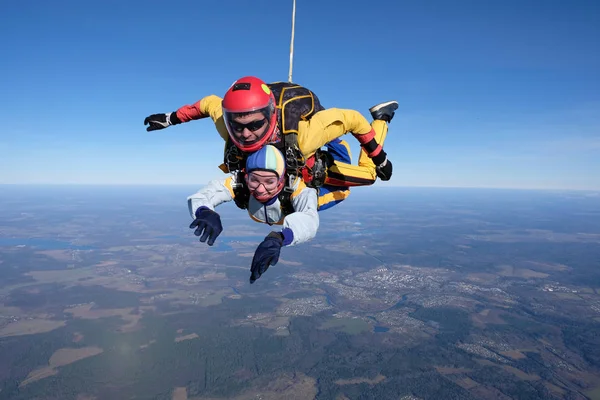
[252, 126]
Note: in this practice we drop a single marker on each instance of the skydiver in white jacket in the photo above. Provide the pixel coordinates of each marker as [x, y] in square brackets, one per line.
[260, 191]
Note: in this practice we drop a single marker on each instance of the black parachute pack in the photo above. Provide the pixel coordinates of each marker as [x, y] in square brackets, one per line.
[236, 163]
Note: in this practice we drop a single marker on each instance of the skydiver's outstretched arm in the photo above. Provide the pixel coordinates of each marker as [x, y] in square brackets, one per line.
[298, 227]
[216, 192]
[209, 106]
[202, 204]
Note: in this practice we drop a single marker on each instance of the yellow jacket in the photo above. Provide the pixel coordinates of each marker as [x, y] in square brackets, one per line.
[322, 128]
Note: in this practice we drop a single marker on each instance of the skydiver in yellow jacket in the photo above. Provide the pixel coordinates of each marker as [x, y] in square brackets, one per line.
[253, 113]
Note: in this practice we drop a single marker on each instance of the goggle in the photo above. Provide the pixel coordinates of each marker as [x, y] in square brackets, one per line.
[251, 126]
[254, 182]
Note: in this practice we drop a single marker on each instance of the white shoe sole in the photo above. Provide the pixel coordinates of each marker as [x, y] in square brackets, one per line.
[380, 106]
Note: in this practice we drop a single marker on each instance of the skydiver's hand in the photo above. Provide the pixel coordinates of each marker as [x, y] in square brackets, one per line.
[384, 170]
[267, 253]
[161, 121]
[208, 221]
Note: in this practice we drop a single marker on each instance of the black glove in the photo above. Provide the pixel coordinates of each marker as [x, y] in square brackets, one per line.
[384, 171]
[383, 166]
[267, 253]
[161, 121]
[208, 221]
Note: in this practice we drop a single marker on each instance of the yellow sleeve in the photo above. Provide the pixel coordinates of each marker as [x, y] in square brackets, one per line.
[328, 125]
[300, 187]
[211, 106]
[229, 185]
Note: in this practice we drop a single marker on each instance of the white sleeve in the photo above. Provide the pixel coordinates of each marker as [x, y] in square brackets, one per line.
[304, 221]
[211, 195]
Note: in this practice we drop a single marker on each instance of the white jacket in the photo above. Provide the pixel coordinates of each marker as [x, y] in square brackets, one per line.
[303, 222]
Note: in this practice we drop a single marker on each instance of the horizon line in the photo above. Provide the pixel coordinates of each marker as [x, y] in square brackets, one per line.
[370, 186]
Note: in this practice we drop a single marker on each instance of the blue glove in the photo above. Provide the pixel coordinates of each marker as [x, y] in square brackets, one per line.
[267, 253]
[208, 221]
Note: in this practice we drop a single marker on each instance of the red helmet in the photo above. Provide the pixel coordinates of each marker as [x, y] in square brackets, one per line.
[250, 95]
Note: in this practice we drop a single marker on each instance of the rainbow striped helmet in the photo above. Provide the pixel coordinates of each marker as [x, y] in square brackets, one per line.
[268, 158]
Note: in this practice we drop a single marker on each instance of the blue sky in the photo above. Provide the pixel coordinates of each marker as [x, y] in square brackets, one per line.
[492, 93]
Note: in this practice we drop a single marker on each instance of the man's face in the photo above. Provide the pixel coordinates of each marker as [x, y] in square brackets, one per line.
[248, 128]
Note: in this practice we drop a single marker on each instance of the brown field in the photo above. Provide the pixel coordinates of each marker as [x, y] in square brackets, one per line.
[344, 248]
[156, 258]
[488, 392]
[61, 358]
[86, 312]
[510, 271]
[77, 337]
[215, 276]
[86, 277]
[355, 381]
[108, 263]
[449, 370]
[594, 394]
[59, 255]
[566, 295]
[554, 389]
[548, 266]
[7, 310]
[288, 262]
[467, 383]
[186, 337]
[202, 298]
[515, 371]
[521, 374]
[269, 321]
[514, 354]
[243, 374]
[179, 393]
[38, 374]
[481, 277]
[583, 379]
[32, 290]
[67, 356]
[61, 276]
[488, 316]
[212, 298]
[545, 342]
[484, 361]
[30, 327]
[288, 386]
